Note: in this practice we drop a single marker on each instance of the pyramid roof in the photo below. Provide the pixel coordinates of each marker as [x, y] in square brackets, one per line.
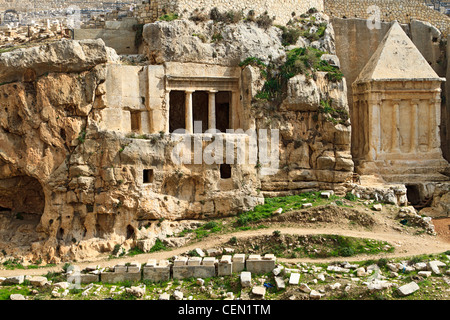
[397, 58]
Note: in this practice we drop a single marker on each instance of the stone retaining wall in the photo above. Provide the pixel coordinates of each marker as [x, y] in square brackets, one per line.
[403, 11]
[281, 9]
[181, 268]
[32, 5]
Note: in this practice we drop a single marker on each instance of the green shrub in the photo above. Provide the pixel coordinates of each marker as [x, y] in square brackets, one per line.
[135, 251]
[350, 196]
[116, 249]
[264, 21]
[231, 16]
[158, 246]
[382, 262]
[217, 37]
[197, 16]
[290, 35]
[210, 225]
[66, 267]
[168, 17]
[252, 61]
[82, 136]
[346, 251]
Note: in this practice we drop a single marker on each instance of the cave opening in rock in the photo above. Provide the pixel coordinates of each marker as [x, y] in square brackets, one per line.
[413, 194]
[22, 202]
[22, 194]
[130, 232]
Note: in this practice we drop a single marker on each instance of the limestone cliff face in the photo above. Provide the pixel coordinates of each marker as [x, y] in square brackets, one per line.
[74, 183]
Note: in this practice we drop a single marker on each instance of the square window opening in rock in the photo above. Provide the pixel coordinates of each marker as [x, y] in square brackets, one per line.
[225, 171]
[148, 176]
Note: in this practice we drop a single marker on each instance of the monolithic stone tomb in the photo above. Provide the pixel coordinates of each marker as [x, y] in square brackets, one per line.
[396, 113]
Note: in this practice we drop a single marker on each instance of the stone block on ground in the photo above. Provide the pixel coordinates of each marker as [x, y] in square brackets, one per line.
[14, 280]
[238, 261]
[164, 296]
[408, 289]
[246, 279]
[260, 265]
[114, 277]
[38, 281]
[225, 266]
[294, 278]
[194, 261]
[279, 282]
[259, 291]
[156, 272]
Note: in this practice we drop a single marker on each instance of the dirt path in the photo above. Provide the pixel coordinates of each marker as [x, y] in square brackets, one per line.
[405, 245]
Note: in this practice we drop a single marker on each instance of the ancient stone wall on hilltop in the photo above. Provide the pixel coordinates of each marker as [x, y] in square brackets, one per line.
[281, 9]
[33, 5]
[402, 11]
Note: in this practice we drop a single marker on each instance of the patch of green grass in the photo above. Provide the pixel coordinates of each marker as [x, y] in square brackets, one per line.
[324, 246]
[168, 17]
[82, 136]
[287, 203]
[204, 230]
[158, 246]
[351, 197]
[135, 251]
[13, 264]
[7, 291]
[55, 277]
[333, 115]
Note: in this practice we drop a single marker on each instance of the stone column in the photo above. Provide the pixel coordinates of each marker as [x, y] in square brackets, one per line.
[433, 132]
[189, 123]
[166, 112]
[233, 108]
[414, 126]
[374, 130]
[395, 127]
[212, 110]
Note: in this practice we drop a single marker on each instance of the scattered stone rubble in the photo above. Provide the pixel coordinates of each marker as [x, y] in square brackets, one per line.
[304, 279]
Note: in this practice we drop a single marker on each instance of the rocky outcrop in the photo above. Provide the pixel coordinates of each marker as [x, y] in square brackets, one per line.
[62, 56]
[75, 182]
[209, 42]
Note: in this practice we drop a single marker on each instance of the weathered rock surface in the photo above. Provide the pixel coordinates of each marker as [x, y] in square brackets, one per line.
[61, 56]
[408, 289]
[76, 175]
[186, 41]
